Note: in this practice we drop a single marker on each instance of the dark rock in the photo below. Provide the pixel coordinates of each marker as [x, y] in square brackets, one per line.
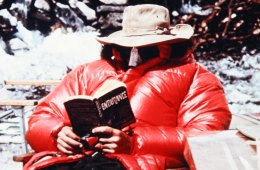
[110, 8]
[68, 17]
[111, 21]
[8, 24]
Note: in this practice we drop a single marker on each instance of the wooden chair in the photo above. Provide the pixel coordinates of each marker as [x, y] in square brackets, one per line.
[19, 105]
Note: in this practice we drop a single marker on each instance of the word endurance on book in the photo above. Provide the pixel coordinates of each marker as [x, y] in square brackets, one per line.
[108, 106]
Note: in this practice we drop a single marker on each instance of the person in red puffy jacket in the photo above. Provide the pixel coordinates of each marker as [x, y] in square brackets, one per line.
[170, 94]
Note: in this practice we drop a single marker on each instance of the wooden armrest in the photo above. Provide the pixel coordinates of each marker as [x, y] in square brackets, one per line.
[32, 82]
[18, 102]
[23, 157]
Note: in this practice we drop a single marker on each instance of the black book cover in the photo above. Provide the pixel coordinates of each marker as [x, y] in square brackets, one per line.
[115, 109]
[110, 106]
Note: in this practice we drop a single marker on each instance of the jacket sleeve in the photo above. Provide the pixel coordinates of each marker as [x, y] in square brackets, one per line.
[50, 115]
[203, 108]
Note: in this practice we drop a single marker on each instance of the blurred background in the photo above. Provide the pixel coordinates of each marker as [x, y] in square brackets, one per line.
[45, 39]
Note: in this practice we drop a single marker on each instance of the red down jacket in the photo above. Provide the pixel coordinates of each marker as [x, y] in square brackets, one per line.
[168, 101]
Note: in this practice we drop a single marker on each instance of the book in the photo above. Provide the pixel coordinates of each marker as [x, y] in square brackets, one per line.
[254, 115]
[252, 131]
[242, 119]
[217, 150]
[109, 106]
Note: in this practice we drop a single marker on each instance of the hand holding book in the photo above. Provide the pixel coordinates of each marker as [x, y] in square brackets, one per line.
[109, 106]
[68, 142]
[117, 142]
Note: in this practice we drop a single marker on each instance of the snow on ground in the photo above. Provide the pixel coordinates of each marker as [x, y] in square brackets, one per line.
[241, 81]
[50, 59]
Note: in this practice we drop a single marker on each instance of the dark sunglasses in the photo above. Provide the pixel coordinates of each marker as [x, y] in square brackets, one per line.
[145, 53]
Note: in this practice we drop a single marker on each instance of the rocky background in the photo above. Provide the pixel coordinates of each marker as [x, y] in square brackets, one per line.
[223, 27]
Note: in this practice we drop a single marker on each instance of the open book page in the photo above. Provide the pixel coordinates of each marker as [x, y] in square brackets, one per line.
[254, 115]
[108, 86]
[219, 150]
[79, 97]
[252, 131]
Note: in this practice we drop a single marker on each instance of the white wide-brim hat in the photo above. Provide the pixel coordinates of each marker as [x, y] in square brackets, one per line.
[145, 25]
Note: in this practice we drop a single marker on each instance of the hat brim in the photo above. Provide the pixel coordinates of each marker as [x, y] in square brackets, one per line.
[147, 39]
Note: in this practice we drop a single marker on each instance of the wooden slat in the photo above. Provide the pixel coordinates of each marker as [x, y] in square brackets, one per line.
[5, 114]
[23, 157]
[18, 102]
[32, 82]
